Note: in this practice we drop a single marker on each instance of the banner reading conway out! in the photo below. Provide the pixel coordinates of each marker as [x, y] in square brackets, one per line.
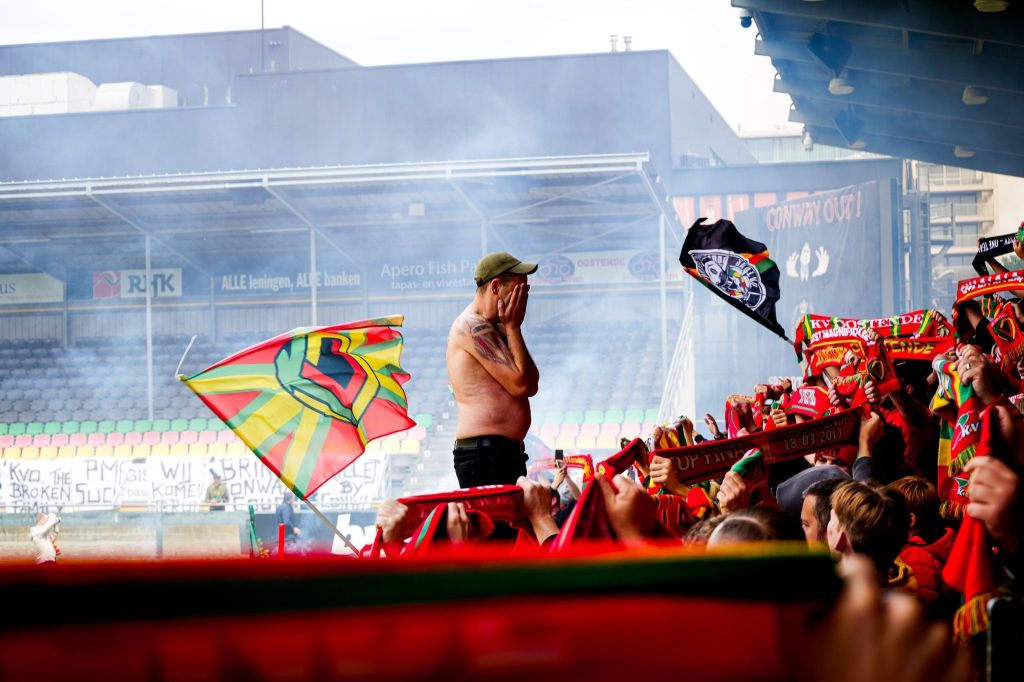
[827, 246]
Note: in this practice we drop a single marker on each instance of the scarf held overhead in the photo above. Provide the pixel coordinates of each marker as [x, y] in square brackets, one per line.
[426, 513]
[917, 324]
[967, 289]
[992, 247]
[712, 459]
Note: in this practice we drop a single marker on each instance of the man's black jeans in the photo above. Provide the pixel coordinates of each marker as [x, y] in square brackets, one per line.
[489, 460]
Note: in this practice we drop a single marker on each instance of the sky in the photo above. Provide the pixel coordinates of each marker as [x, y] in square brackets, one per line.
[704, 35]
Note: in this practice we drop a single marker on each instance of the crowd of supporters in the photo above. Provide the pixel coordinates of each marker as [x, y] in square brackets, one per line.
[939, 448]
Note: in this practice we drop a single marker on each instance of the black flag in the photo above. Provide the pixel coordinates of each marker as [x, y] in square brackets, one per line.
[734, 267]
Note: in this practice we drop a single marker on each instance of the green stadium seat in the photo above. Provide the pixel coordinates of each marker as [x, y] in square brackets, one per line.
[142, 425]
[554, 417]
[51, 428]
[125, 426]
[573, 417]
[197, 424]
[106, 426]
[16, 429]
[178, 425]
[634, 416]
[69, 427]
[161, 425]
[424, 419]
[3, 429]
[595, 416]
[215, 424]
[616, 416]
[34, 428]
[88, 426]
[651, 414]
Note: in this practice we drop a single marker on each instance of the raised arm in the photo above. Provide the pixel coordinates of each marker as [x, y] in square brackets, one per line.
[502, 355]
[511, 316]
[44, 529]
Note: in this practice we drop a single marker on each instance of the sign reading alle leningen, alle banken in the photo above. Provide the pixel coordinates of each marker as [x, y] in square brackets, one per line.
[264, 283]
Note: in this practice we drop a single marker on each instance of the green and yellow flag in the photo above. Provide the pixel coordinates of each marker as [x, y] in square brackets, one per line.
[307, 402]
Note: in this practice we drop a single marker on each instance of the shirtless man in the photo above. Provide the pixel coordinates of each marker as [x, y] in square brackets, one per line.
[492, 375]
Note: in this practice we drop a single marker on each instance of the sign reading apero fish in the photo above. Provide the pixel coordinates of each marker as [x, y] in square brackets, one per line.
[132, 283]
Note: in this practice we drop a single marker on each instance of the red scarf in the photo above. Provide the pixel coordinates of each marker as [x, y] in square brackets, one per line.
[582, 462]
[967, 289]
[428, 515]
[1008, 337]
[952, 487]
[588, 520]
[712, 459]
[622, 460]
[971, 568]
[918, 324]
[733, 422]
[828, 348]
[924, 349]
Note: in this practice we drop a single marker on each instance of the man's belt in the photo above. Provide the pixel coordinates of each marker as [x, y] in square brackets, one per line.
[489, 442]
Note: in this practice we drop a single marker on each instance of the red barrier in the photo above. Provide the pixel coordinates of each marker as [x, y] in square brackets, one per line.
[469, 615]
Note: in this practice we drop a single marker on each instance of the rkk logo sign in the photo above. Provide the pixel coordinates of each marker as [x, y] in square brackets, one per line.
[166, 282]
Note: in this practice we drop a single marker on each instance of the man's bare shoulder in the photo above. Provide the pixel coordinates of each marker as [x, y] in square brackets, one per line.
[480, 337]
[469, 324]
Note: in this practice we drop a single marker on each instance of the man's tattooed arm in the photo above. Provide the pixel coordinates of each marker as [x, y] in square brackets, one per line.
[489, 343]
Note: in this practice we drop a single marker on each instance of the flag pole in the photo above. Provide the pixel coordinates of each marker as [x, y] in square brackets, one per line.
[330, 525]
[177, 370]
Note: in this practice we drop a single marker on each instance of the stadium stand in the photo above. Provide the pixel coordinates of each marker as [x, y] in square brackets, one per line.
[598, 383]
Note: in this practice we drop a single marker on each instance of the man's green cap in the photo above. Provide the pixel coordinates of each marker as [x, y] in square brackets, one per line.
[500, 263]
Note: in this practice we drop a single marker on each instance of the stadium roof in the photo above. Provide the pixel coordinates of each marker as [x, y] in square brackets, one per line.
[214, 221]
[935, 81]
